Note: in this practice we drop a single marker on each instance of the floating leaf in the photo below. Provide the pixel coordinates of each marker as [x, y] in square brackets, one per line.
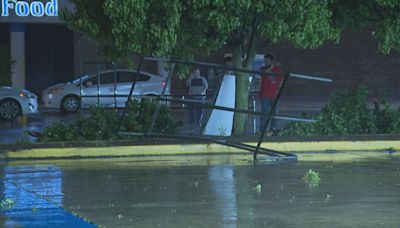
[312, 178]
[328, 198]
[7, 203]
[258, 188]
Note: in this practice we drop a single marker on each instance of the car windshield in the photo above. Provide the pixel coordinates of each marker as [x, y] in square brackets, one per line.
[82, 78]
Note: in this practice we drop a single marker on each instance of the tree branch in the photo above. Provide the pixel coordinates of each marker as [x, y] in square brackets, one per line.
[251, 43]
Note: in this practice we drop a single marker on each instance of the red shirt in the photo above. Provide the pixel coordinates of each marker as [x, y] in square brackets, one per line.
[270, 83]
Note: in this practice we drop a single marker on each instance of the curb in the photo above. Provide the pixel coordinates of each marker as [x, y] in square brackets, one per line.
[305, 150]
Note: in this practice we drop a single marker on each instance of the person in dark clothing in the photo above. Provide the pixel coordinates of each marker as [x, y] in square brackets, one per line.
[228, 61]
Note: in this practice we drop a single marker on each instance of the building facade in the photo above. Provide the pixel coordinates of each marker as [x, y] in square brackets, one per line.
[45, 51]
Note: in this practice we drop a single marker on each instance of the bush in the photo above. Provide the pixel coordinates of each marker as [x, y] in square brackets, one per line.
[347, 114]
[102, 124]
[388, 120]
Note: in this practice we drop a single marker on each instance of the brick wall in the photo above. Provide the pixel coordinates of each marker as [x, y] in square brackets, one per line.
[355, 60]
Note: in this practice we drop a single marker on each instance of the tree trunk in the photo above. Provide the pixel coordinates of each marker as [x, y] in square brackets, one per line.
[241, 96]
[242, 88]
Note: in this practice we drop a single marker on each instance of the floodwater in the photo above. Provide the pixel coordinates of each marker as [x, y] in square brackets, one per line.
[127, 193]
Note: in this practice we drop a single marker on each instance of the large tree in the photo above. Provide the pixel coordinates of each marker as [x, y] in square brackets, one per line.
[185, 28]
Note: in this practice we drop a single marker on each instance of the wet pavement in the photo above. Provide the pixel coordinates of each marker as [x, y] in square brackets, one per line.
[128, 193]
[16, 131]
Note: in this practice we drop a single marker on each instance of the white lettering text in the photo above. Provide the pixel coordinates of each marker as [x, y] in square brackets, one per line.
[34, 8]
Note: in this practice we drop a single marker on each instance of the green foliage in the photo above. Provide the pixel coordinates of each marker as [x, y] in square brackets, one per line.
[25, 139]
[59, 132]
[347, 114]
[258, 188]
[34, 209]
[6, 66]
[382, 16]
[7, 203]
[388, 120]
[130, 26]
[312, 178]
[102, 124]
[183, 28]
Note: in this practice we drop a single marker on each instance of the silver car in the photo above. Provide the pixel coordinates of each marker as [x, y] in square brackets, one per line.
[107, 89]
[16, 102]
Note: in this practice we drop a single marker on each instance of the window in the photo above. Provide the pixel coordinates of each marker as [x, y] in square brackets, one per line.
[93, 81]
[107, 78]
[124, 77]
[144, 78]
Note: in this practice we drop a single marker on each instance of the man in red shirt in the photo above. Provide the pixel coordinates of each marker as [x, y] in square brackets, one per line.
[271, 80]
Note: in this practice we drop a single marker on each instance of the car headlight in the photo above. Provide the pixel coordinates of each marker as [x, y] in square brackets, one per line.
[26, 95]
[56, 90]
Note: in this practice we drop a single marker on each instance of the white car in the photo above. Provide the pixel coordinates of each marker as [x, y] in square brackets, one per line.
[16, 102]
[107, 88]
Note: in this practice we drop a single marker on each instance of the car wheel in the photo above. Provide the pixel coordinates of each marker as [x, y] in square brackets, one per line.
[70, 103]
[10, 109]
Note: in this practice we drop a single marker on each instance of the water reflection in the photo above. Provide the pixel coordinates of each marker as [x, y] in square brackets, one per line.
[121, 193]
[223, 186]
[33, 197]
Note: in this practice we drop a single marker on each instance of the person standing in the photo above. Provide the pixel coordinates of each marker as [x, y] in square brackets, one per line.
[271, 80]
[228, 62]
[197, 90]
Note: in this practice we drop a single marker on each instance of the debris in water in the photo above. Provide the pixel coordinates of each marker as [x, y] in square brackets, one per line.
[312, 178]
[328, 198]
[7, 203]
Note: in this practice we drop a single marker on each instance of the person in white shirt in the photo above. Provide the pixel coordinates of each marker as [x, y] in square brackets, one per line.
[197, 90]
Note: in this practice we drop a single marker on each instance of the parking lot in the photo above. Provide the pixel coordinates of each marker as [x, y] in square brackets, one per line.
[17, 130]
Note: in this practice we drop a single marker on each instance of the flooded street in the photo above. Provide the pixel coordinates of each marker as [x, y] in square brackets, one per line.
[128, 193]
